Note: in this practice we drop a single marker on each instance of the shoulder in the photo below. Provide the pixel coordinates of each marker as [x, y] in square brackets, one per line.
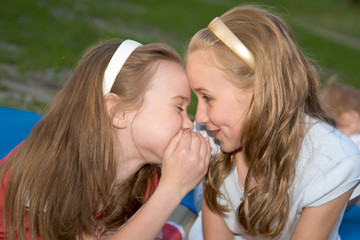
[324, 147]
[5, 177]
[12, 152]
[329, 140]
[356, 139]
[328, 165]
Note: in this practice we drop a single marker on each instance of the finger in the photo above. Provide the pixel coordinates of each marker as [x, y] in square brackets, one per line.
[208, 151]
[174, 142]
[196, 142]
[203, 147]
[185, 140]
[206, 154]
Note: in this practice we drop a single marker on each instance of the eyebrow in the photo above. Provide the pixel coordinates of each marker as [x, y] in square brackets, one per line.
[201, 90]
[181, 97]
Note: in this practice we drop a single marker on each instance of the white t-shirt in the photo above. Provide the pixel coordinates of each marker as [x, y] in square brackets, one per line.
[356, 139]
[328, 166]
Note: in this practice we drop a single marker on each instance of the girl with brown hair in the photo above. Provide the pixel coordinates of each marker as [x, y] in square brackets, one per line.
[284, 171]
[90, 167]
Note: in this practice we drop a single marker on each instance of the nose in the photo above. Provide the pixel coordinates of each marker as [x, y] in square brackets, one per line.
[201, 115]
[187, 123]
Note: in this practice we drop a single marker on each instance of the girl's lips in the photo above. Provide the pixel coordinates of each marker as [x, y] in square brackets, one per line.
[216, 133]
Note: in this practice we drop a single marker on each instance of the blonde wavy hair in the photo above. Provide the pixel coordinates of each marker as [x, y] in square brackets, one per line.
[285, 86]
[62, 179]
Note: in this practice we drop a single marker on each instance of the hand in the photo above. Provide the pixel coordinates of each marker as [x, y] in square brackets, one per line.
[186, 160]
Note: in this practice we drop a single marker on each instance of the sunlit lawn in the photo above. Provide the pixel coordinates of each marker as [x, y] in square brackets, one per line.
[43, 34]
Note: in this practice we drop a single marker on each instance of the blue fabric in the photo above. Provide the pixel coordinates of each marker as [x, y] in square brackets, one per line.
[350, 225]
[188, 201]
[15, 126]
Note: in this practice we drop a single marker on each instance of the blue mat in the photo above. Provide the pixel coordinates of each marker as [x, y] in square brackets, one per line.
[350, 225]
[15, 126]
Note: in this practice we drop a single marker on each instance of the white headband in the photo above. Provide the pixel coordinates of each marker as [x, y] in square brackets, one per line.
[116, 62]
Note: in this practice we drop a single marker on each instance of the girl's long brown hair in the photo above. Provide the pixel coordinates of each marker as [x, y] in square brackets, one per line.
[62, 179]
[285, 86]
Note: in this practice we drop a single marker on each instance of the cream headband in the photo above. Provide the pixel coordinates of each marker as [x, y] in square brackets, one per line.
[218, 27]
[116, 62]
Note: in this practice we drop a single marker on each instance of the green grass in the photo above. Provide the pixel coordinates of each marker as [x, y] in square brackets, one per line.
[333, 58]
[36, 35]
[33, 105]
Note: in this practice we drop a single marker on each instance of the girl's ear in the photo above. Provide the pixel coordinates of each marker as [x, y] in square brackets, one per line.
[118, 116]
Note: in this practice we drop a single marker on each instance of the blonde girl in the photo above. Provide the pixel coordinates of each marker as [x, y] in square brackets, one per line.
[90, 167]
[284, 171]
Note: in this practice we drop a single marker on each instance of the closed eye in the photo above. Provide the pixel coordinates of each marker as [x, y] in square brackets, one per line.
[180, 108]
[206, 98]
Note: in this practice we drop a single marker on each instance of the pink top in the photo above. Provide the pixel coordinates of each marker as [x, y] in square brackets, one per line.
[3, 187]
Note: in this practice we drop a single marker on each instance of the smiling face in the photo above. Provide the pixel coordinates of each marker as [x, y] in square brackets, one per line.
[221, 105]
[163, 112]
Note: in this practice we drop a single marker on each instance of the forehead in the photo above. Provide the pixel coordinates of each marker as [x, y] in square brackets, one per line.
[202, 67]
[169, 80]
[206, 76]
[204, 56]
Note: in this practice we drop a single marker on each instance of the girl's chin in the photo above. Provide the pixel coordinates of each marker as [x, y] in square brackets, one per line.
[225, 149]
[228, 149]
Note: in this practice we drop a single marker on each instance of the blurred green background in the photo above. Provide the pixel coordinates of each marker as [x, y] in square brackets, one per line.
[42, 40]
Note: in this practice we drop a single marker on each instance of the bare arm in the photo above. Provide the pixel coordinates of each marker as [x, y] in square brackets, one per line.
[318, 222]
[185, 163]
[214, 226]
[148, 221]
